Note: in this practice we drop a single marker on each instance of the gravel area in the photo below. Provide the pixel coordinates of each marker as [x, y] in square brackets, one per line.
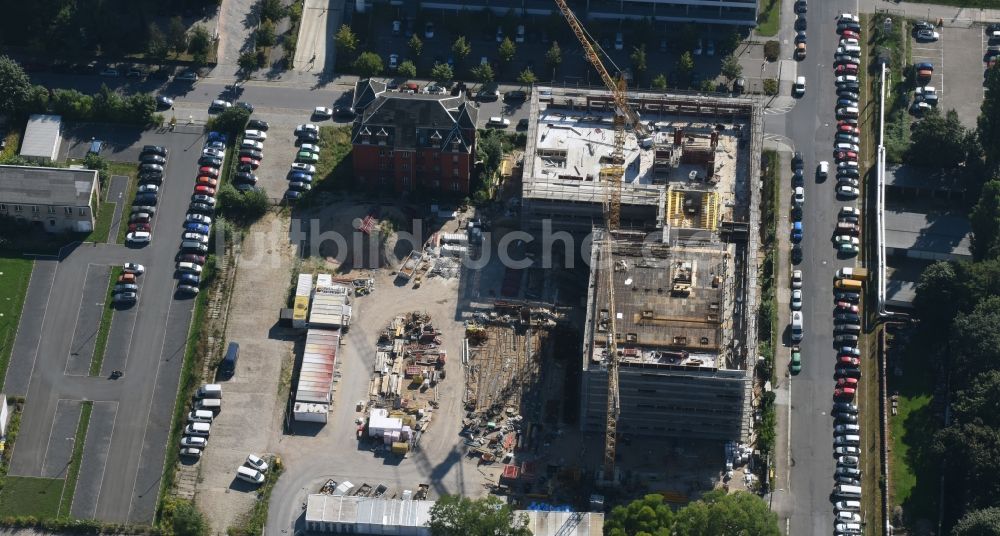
[236, 22]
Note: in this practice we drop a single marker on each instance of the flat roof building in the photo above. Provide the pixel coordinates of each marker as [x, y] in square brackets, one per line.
[55, 199]
[42, 138]
[928, 235]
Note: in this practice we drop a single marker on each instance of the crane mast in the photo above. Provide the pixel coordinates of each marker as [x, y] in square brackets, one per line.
[612, 174]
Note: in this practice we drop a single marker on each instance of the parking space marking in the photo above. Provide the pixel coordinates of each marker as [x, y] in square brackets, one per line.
[76, 321]
[114, 423]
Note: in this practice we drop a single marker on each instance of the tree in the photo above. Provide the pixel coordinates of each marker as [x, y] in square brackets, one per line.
[985, 522]
[731, 68]
[248, 61]
[177, 37]
[526, 77]
[368, 65]
[638, 58]
[988, 125]
[461, 48]
[772, 49]
[98, 163]
[975, 341]
[649, 515]
[15, 87]
[935, 300]
[416, 45]
[732, 42]
[442, 73]
[554, 55]
[506, 50]
[660, 82]
[200, 42]
[985, 222]
[346, 41]
[265, 34]
[184, 518]
[483, 73]
[156, 43]
[231, 121]
[242, 207]
[452, 515]
[940, 142]
[978, 403]
[719, 512]
[685, 66]
[407, 69]
[272, 10]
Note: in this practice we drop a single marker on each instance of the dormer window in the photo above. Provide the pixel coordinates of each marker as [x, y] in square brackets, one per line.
[366, 135]
[382, 136]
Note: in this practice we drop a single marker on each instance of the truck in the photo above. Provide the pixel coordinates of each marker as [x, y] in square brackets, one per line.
[858, 274]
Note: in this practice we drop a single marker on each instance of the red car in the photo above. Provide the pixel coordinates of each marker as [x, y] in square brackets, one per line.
[846, 155]
[204, 190]
[254, 164]
[846, 393]
[208, 181]
[208, 170]
[847, 68]
[847, 360]
[850, 129]
[847, 307]
[126, 278]
[190, 257]
[848, 383]
[848, 34]
[138, 227]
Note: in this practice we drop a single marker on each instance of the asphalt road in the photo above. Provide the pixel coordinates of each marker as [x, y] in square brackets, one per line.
[810, 125]
[146, 342]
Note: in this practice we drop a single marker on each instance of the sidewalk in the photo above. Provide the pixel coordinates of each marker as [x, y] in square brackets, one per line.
[951, 15]
[781, 502]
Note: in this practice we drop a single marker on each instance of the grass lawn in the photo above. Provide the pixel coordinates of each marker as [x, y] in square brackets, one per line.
[102, 226]
[334, 166]
[101, 345]
[74, 467]
[769, 18]
[27, 496]
[129, 196]
[14, 275]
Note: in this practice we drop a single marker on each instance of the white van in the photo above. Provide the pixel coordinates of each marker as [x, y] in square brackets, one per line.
[797, 329]
[847, 111]
[800, 86]
[848, 528]
[848, 506]
[823, 169]
[198, 429]
[210, 390]
[200, 415]
[848, 492]
[212, 405]
[499, 122]
[849, 440]
[247, 474]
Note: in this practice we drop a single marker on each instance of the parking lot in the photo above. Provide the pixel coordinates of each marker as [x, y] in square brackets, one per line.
[53, 352]
[958, 68]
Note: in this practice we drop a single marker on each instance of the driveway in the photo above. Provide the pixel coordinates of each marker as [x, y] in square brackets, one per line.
[124, 450]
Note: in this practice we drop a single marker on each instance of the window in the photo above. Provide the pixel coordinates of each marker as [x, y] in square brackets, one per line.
[52, 210]
[18, 208]
[454, 158]
[34, 209]
[454, 186]
[83, 211]
[406, 182]
[406, 166]
[69, 211]
[454, 172]
[3, 208]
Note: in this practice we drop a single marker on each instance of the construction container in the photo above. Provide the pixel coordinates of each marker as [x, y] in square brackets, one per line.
[300, 305]
[400, 448]
[306, 412]
[317, 369]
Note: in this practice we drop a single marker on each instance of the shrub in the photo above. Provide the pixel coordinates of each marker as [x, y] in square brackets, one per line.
[771, 50]
[770, 86]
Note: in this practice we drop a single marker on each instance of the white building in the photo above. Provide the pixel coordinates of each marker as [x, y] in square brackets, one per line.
[42, 138]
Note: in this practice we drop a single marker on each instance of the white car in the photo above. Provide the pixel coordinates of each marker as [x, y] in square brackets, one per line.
[255, 135]
[191, 451]
[307, 127]
[849, 41]
[796, 300]
[148, 188]
[133, 268]
[848, 517]
[304, 168]
[322, 112]
[850, 212]
[848, 191]
[196, 237]
[198, 442]
[219, 104]
[309, 147]
[139, 237]
[252, 144]
[247, 474]
[847, 79]
[847, 506]
[212, 151]
[847, 239]
[198, 218]
[844, 17]
[847, 451]
[256, 462]
[393, 61]
[800, 195]
[796, 278]
[848, 461]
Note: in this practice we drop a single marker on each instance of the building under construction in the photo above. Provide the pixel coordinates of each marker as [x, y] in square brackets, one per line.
[682, 262]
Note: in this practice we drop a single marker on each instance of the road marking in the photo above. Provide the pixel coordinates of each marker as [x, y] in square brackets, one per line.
[48, 442]
[100, 487]
[48, 297]
[76, 322]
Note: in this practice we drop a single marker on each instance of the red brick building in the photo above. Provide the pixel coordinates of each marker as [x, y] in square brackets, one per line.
[405, 142]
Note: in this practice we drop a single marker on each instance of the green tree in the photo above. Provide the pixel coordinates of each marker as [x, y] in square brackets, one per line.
[985, 222]
[242, 207]
[461, 48]
[482, 73]
[660, 82]
[442, 73]
[272, 10]
[177, 37]
[979, 402]
[407, 69]
[731, 68]
[98, 163]
[940, 141]
[685, 66]
[416, 46]
[368, 64]
[200, 42]
[719, 512]
[506, 50]
[935, 301]
[183, 518]
[346, 41]
[733, 42]
[266, 36]
[15, 87]
[988, 125]
[156, 43]
[969, 451]
[975, 341]
[638, 58]
[453, 515]
[526, 77]
[985, 522]
[248, 61]
[232, 121]
[553, 57]
[649, 515]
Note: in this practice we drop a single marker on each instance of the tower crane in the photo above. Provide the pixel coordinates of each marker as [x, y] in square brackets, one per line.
[612, 175]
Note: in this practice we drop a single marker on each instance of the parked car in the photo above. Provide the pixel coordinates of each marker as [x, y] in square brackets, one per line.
[251, 134]
[322, 112]
[255, 462]
[258, 124]
[189, 441]
[139, 237]
[304, 168]
[219, 105]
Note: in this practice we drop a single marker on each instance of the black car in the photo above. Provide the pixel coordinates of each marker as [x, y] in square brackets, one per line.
[522, 124]
[257, 124]
[162, 101]
[244, 186]
[800, 24]
[210, 161]
[307, 136]
[801, 6]
[246, 168]
[848, 25]
[848, 296]
[800, 37]
[151, 210]
[154, 149]
[153, 159]
[846, 418]
[150, 175]
[922, 25]
[797, 161]
[848, 172]
[145, 199]
[252, 153]
[245, 105]
[845, 407]
[847, 372]
[201, 208]
[796, 254]
[344, 112]
[245, 177]
[160, 74]
[515, 96]
[151, 179]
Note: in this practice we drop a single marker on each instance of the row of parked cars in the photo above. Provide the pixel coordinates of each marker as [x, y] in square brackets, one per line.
[152, 163]
[300, 175]
[208, 404]
[198, 220]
